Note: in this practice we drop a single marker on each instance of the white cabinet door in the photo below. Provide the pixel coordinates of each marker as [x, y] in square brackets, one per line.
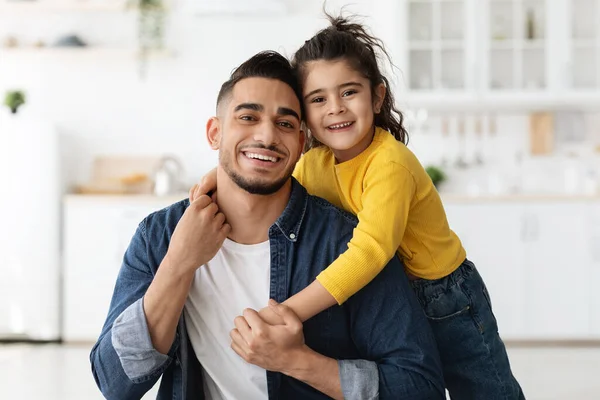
[97, 234]
[592, 280]
[492, 236]
[556, 266]
[581, 64]
[437, 47]
[516, 45]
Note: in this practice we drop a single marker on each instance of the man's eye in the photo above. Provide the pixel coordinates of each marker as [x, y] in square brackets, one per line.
[247, 118]
[286, 124]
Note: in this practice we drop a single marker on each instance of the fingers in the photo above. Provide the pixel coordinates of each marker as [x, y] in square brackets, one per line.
[192, 193]
[242, 327]
[239, 350]
[201, 202]
[220, 218]
[255, 322]
[224, 232]
[287, 314]
[238, 344]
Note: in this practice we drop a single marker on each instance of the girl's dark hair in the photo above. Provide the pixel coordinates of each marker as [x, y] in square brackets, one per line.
[349, 41]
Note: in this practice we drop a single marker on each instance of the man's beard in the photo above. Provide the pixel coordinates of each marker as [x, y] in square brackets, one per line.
[253, 186]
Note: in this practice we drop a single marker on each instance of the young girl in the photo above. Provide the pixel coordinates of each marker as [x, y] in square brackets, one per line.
[358, 160]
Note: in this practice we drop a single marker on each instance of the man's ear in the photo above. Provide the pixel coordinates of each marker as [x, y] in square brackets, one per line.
[380, 92]
[302, 142]
[213, 133]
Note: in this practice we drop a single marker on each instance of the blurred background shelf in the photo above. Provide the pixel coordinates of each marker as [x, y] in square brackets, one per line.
[46, 6]
[88, 52]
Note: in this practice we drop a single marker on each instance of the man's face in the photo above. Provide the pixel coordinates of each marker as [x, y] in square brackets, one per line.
[258, 134]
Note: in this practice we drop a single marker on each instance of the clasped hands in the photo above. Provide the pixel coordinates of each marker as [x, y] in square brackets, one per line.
[271, 338]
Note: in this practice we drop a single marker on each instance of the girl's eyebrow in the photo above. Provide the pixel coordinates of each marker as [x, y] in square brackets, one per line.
[343, 85]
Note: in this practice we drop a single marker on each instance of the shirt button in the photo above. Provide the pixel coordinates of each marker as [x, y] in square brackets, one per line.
[292, 236]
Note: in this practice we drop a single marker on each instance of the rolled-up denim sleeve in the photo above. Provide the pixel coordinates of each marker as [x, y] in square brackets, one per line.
[124, 364]
[359, 379]
[132, 343]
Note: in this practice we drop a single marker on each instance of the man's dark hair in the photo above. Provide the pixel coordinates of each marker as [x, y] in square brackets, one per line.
[266, 64]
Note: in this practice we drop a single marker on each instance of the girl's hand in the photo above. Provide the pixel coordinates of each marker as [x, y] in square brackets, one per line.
[207, 184]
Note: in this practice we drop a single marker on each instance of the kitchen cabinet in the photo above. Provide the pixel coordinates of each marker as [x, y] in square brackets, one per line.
[492, 235]
[592, 280]
[540, 260]
[582, 51]
[437, 42]
[514, 53]
[97, 231]
[556, 259]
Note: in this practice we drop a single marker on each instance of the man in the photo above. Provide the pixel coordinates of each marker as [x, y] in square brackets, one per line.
[187, 274]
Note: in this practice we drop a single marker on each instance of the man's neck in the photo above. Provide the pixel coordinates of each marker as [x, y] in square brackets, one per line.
[250, 215]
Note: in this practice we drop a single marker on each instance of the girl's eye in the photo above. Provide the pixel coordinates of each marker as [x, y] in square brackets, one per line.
[317, 100]
[348, 93]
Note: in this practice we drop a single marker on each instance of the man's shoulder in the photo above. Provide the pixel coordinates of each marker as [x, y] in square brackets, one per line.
[321, 214]
[165, 219]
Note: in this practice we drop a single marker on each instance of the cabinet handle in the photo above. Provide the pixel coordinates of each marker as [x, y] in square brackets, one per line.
[535, 231]
[524, 228]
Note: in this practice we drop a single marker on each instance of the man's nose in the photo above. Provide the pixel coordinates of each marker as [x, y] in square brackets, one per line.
[267, 134]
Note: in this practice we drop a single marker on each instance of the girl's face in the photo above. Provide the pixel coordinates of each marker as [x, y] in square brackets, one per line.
[339, 107]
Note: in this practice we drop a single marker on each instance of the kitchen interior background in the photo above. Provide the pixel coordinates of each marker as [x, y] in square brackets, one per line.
[502, 97]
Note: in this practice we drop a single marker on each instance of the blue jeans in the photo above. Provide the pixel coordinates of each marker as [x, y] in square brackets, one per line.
[473, 356]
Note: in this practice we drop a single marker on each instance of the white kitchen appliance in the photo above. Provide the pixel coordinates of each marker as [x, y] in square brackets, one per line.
[29, 237]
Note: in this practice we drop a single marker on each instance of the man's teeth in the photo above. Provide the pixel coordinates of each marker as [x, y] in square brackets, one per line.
[261, 157]
[340, 126]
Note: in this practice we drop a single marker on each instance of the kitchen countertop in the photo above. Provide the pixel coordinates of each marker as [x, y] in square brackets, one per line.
[130, 198]
[517, 197]
[446, 197]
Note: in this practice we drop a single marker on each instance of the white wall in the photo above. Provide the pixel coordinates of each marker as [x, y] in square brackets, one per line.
[100, 105]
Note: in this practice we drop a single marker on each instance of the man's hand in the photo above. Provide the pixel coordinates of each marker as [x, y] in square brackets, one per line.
[270, 317]
[198, 236]
[272, 347]
[208, 183]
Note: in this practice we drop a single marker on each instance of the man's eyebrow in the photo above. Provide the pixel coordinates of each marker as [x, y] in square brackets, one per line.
[288, 111]
[249, 106]
[343, 85]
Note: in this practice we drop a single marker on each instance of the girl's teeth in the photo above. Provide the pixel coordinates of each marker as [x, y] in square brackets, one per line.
[340, 125]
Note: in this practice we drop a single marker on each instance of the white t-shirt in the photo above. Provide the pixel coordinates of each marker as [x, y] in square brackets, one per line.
[236, 278]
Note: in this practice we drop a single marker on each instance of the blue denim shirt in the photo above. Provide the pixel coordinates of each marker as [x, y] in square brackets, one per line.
[380, 337]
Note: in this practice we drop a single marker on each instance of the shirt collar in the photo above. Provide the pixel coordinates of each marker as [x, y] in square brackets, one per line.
[290, 220]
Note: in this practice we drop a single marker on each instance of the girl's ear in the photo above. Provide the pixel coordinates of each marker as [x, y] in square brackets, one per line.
[213, 133]
[380, 92]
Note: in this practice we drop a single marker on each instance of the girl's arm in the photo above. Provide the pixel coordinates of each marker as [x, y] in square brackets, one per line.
[388, 192]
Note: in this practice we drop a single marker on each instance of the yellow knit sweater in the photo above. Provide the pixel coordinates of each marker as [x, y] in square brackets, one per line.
[398, 208]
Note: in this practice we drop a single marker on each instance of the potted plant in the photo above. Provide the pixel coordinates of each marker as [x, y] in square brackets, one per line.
[151, 27]
[14, 99]
[436, 174]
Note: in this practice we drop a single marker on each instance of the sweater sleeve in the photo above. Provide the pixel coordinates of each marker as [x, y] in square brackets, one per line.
[388, 189]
